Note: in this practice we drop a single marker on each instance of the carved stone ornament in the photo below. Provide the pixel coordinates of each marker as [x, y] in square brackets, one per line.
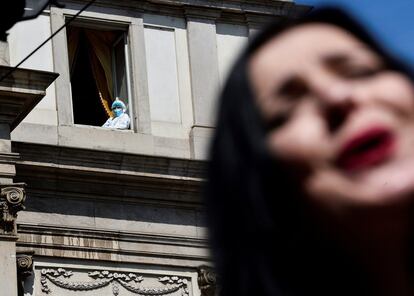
[12, 198]
[99, 279]
[24, 263]
[207, 281]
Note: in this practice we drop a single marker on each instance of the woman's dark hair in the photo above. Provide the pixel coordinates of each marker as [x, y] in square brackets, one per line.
[262, 239]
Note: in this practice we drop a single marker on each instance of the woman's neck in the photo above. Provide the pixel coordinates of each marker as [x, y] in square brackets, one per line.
[379, 240]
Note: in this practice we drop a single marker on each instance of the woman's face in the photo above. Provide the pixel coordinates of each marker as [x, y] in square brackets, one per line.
[334, 109]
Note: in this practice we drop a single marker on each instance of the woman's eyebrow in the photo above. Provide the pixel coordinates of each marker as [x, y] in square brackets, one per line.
[341, 58]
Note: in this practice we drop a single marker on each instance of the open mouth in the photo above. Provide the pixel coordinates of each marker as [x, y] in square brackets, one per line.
[366, 149]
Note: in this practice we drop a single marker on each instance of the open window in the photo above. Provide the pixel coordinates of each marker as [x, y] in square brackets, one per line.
[98, 61]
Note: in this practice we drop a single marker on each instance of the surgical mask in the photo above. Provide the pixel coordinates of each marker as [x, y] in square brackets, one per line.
[118, 112]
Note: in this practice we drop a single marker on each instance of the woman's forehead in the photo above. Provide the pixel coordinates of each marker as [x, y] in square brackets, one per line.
[308, 39]
[306, 44]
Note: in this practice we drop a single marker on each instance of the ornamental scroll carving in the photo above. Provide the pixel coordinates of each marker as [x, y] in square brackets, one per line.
[12, 198]
[99, 279]
[24, 262]
[207, 281]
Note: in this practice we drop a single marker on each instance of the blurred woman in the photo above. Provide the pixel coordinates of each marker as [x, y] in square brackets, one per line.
[311, 180]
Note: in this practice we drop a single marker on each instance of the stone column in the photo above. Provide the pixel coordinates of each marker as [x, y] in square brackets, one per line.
[7, 158]
[20, 91]
[202, 47]
[12, 198]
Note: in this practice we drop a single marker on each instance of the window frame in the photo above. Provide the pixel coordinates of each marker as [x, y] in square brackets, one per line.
[127, 65]
[132, 25]
[94, 25]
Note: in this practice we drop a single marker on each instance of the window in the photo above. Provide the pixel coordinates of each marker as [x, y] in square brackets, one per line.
[98, 61]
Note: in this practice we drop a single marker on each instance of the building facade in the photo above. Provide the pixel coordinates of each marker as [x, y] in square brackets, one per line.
[118, 212]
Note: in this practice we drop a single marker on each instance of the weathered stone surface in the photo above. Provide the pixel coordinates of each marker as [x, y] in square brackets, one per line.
[207, 281]
[109, 202]
[8, 270]
[200, 139]
[12, 198]
[20, 91]
[24, 261]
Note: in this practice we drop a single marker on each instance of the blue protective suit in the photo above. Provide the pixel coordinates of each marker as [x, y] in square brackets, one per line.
[120, 122]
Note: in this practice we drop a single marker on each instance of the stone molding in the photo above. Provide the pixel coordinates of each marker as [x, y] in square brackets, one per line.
[201, 13]
[12, 198]
[207, 281]
[20, 91]
[116, 161]
[255, 21]
[132, 282]
[155, 180]
[81, 243]
[227, 11]
[91, 234]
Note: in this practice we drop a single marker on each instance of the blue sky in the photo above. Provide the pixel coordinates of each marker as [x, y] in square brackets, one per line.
[390, 21]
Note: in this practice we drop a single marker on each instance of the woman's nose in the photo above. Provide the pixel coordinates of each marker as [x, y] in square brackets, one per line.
[335, 98]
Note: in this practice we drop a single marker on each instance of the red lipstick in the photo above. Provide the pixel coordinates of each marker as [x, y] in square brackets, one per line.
[366, 149]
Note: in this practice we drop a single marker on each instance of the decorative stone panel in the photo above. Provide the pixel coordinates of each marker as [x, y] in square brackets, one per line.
[64, 281]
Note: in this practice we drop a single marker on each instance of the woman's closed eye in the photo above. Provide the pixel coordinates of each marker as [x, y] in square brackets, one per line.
[353, 67]
[277, 121]
[293, 88]
[359, 71]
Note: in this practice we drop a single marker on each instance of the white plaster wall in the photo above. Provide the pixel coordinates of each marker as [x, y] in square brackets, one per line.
[162, 74]
[165, 36]
[230, 41]
[23, 38]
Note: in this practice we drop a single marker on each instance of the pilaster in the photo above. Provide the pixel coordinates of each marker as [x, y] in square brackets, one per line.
[12, 198]
[20, 91]
[4, 53]
[202, 47]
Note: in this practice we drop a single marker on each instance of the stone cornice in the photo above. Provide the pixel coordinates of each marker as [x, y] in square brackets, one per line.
[79, 173]
[94, 185]
[225, 11]
[117, 161]
[20, 92]
[201, 13]
[100, 234]
[139, 248]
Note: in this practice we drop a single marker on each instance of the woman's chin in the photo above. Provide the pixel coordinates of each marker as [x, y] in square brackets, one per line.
[389, 184]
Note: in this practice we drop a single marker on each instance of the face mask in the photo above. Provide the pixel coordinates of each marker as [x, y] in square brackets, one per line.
[118, 112]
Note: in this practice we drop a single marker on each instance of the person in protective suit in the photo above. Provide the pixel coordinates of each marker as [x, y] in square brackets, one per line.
[120, 120]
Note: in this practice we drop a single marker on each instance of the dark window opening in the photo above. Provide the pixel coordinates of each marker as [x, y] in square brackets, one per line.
[87, 108]
[98, 71]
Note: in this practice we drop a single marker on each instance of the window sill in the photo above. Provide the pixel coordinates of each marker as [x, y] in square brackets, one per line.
[102, 128]
[102, 139]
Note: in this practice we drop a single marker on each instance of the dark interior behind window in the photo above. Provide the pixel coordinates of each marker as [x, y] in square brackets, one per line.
[98, 72]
